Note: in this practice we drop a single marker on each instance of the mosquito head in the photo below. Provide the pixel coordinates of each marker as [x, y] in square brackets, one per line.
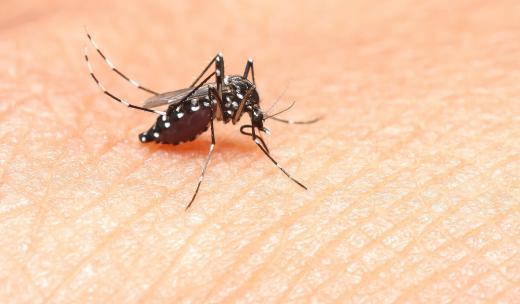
[257, 118]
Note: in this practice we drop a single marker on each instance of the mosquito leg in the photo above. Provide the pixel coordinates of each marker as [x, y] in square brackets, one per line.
[109, 63]
[214, 94]
[259, 136]
[249, 65]
[242, 104]
[242, 130]
[219, 72]
[259, 144]
[220, 58]
[210, 152]
[112, 95]
[219, 75]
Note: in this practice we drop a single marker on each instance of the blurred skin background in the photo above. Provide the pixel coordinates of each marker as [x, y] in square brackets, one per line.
[413, 173]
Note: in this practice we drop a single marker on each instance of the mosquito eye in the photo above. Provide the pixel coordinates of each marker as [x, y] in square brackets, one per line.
[257, 114]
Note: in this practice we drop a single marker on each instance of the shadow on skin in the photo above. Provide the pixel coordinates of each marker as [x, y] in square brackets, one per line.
[235, 145]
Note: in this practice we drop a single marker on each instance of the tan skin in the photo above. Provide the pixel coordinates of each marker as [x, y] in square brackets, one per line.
[413, 175]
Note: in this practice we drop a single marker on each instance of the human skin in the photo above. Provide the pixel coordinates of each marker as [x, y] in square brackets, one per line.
[413, 173]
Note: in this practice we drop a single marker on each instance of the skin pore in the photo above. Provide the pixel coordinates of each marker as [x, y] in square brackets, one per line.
[413, 173]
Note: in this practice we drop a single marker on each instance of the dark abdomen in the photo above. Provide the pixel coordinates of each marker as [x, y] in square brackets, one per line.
[176, 130]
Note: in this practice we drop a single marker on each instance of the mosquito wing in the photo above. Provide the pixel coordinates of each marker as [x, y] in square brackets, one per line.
[175, 97]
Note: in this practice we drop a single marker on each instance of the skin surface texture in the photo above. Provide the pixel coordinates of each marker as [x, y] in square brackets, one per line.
[413, 174]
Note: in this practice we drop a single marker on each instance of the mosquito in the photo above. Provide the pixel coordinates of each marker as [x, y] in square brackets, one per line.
[192, 110]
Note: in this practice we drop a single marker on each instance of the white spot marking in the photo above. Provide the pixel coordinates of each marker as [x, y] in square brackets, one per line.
[155, 134]
[134, 82]
[110, 63]
[167, 124]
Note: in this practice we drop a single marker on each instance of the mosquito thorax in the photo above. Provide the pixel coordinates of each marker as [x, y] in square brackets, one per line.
[235, 89]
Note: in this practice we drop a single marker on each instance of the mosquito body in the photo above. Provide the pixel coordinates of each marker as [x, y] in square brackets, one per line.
[191, 111]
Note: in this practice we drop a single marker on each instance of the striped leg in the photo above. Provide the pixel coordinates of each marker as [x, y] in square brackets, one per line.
[218, 60]
[112, 95]
[242, 104]
[243, 131]
[211, 148]
[219, 72]
[219, 103]
[259, 144]
[109, 63]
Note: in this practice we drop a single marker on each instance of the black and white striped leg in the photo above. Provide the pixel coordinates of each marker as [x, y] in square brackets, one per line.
[213, 94]
[218, 58]
[249, 66]
[201, 177]
[242, 130]
[259, 144]
[124, 102]
[109, 63]
[219, 74]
